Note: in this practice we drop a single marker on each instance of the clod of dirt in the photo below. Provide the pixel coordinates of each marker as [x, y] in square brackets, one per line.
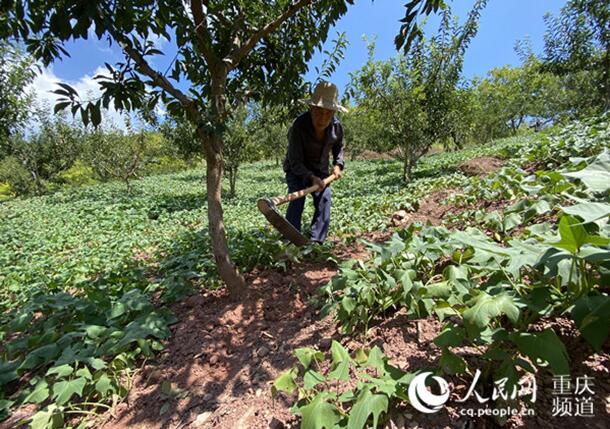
[276, 424]
[480, 166]
[201, 419]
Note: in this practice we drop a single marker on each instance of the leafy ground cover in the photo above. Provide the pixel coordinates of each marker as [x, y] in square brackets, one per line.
[88, 276]
[81, 269]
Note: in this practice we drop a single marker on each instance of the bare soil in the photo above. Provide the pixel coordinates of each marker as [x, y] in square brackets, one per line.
[481, 166]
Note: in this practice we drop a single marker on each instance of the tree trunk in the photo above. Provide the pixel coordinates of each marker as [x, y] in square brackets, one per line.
[406, 169]
[226, 269]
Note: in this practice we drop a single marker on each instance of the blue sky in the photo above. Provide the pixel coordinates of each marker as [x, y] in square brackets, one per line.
[502, 23]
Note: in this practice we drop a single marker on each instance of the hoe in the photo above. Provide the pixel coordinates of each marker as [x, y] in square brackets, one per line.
[268, 207]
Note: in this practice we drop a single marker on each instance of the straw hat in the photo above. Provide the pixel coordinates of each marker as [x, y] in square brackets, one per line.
[325, 95]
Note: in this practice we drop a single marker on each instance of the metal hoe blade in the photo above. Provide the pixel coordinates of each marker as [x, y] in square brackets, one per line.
[268, 208]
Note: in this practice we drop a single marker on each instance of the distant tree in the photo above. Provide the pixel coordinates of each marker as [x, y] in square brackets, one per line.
[180, 132]
[364, 130]
[17, 71]
[113, 154]
[50, 148]
[461, 118]
[577, 45]
[509, 97]
[415, 95]
[270, 127]
[239, 145]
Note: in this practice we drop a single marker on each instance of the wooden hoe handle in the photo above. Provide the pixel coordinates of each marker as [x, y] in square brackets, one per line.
[300, 194]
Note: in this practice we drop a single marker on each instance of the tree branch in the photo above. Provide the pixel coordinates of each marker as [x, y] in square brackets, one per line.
[238, 54]
[203, 35]
[142, 65]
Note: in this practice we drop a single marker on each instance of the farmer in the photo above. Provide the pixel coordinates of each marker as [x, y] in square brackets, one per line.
[313, 136]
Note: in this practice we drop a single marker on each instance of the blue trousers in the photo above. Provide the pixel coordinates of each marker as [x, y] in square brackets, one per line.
[321, 201]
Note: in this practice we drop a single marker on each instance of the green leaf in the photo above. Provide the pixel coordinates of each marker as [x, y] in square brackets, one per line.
[360, 356]
[376, 359]
[49, 418]
[285, 382]
[305, 355]
[511, 221]
[451, 363]
[96, 363]
[340, 362]
[596, 176]
[312, 378]
[60, 106]
[95, 331]
[485, 307]
[340, 371]
[8, 372]
[348, 304]
[545, 346]
[319, 414]
[96, 116]
[164, 408]
[84, 372]
[592, 317]
[451, 336]
[61, 371]
[40, 356]
[366, 405]
[39, 394]
[103, 385]
[64, 390]
[573, 234]
[589, 212]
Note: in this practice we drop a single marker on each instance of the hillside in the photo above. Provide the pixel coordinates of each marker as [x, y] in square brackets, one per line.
[111, 297]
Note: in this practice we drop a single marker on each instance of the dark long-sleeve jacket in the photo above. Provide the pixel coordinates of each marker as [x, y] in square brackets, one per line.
[307, 156]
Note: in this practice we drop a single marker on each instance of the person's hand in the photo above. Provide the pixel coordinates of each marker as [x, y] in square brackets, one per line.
[315, 180]
[337, 171]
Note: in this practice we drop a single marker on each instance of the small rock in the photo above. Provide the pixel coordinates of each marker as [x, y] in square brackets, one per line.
[400, 214]
[207, 397]
[259, 392]
[325, 343]
[263, 351]
[201, 419]
[214, 360]
[276, 424]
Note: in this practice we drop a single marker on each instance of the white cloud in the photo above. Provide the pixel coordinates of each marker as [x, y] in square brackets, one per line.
[101, 45]
[86, 87]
